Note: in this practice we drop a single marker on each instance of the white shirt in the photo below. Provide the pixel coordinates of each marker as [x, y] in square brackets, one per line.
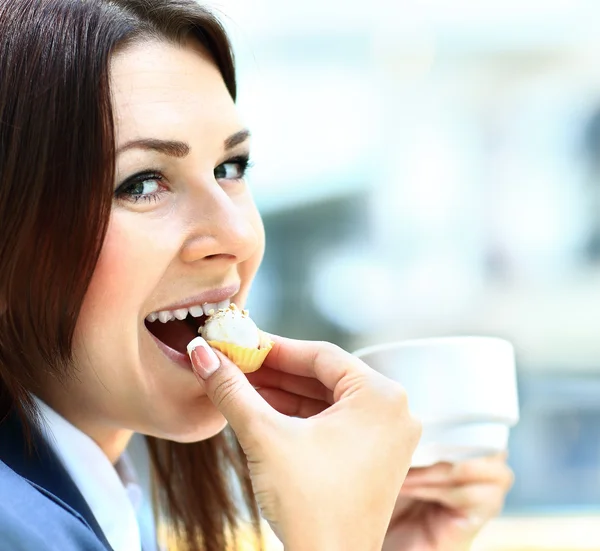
[112, 492]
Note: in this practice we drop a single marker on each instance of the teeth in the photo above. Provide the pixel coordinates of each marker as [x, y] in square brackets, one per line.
[165, 316]
[210, 306]
[181, 314]
[196, 311]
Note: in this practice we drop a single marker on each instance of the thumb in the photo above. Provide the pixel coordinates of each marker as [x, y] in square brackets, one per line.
[227, 387]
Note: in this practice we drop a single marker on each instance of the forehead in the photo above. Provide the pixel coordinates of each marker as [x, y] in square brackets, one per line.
[165, 90]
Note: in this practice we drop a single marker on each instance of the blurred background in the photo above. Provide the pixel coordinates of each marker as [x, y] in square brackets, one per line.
[432, 168]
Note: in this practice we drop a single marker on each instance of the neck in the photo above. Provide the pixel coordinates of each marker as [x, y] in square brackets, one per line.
[112, 441]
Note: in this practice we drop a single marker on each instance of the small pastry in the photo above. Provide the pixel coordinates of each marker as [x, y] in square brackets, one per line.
[232, 331]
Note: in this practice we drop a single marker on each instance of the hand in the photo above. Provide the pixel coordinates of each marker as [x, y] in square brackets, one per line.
[443, 507]
[328, 443]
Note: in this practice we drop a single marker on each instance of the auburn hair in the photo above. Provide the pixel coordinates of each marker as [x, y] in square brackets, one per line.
[57, 156]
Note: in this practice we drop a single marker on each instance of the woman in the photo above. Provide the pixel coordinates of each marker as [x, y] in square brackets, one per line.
[123, 206]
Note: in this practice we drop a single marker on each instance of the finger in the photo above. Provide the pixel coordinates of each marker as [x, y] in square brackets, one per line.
[292, 404]
[323, 361]
[296, 384]
[482, 501]
[482, 469]
[408, 510]
[227, 387]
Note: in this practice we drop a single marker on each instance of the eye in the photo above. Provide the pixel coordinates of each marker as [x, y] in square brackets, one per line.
[145, 186]
[233, 169]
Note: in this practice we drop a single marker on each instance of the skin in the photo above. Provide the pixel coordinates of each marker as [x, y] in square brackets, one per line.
[319, 485]
[443, 507]
[438, 508]
[198, 233]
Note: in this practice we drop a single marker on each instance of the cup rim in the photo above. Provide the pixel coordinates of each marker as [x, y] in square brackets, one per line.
[413, 343]
[463, 419]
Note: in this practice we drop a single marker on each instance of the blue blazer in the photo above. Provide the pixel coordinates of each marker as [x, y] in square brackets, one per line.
[41, 508]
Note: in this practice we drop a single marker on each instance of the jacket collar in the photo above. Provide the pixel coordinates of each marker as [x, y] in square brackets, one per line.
[42, 468]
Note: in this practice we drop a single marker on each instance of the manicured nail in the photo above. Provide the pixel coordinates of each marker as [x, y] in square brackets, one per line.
[204, 359]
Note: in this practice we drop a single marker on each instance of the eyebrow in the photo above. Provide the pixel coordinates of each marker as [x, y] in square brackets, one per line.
[237, 139]
[179, 149]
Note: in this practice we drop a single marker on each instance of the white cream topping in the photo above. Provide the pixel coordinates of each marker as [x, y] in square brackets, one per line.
[233, 326]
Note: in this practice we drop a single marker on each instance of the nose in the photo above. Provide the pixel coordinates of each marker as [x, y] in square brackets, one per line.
[221, 228]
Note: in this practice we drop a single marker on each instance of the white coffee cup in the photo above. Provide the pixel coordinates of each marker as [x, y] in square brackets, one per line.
[463, 389]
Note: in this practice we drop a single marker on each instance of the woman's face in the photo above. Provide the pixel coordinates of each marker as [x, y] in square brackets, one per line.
[184, 232]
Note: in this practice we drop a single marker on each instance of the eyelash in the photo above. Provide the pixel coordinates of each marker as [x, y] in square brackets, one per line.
[123, 192]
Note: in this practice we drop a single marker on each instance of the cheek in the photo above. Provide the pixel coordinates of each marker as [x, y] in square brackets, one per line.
[124, 274]
[259, 228]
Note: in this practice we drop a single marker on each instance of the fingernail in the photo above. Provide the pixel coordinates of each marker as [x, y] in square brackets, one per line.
[204, 359]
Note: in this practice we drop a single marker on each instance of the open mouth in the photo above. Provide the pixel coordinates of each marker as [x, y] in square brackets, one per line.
[175, 329]
[176, 334]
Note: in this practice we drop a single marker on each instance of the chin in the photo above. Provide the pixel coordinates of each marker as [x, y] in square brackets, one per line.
[207, 424]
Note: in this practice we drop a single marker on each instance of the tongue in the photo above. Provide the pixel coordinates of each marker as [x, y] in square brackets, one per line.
[175, 334]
